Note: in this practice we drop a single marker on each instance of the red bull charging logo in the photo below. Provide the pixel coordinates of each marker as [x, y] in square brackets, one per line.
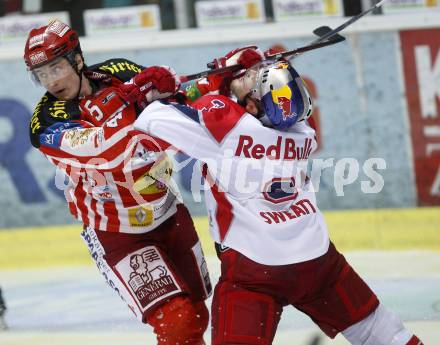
[282, 97]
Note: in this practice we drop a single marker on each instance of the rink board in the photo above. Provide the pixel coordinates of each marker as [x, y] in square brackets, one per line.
[384, 229]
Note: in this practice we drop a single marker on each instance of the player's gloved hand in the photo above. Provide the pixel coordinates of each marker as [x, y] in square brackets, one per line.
[212, 84]
[245, 56]
[153, 83]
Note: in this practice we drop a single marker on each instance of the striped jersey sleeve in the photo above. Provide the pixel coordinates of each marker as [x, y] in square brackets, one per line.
[83, 146]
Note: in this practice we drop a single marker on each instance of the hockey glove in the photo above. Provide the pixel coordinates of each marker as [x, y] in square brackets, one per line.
[153, 83]
[245, 56]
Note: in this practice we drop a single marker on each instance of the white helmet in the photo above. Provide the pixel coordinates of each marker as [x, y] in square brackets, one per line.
[284, 97]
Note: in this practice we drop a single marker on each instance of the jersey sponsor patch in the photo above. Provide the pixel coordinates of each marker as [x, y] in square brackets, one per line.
[80, 137]
[108, 97]
[50, 140]
[156, 179]
[53, 135]
[301, 208]
[148, 276]
[285, 148]
[124, 69]
[102, 193]
[279, 190]
[140, 216]
[147, 184]
[61, 127]
[58, 110]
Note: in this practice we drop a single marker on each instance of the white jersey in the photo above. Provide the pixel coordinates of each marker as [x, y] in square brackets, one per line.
[259, 200]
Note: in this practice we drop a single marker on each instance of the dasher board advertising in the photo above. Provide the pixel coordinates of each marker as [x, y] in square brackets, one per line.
[408, 6]
[223, 13]
[285, 10]
[14, 29]
[122, 20]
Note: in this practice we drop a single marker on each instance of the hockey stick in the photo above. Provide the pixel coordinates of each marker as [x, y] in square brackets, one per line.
[326, 34]
[348, 22]
[290, 54]
[277, 56]
[325, 39]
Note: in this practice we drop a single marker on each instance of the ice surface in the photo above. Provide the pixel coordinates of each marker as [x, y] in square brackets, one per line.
[73, 305]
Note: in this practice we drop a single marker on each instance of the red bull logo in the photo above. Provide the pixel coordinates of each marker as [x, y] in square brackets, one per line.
[285, 105]
[282, 97]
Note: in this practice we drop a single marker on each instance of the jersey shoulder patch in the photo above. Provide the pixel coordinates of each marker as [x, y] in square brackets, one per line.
[122, 69]
[219, 114]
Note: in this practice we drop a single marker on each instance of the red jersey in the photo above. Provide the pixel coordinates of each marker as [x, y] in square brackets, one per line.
[114, 183]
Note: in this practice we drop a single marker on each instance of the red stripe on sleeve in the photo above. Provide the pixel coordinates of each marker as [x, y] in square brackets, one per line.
[223, 214]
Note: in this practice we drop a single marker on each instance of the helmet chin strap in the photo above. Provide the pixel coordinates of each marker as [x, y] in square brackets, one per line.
[265, 121]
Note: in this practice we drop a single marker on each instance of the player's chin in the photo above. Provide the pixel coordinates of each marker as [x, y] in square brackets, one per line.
[65, 94]
[254, 109]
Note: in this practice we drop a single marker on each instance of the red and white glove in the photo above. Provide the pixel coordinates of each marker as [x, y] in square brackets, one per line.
[245, 56]
[152, 83]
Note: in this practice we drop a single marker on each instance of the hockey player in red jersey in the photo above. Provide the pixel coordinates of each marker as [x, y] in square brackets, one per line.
[270, 236]
[142, 239]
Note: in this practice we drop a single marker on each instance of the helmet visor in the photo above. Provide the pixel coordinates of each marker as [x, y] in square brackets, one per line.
[50, 73]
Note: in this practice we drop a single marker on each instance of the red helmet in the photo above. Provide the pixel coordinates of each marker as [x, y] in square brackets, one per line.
[50, 42]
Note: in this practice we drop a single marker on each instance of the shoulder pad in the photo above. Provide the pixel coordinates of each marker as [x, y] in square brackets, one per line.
[220, 114]
[122, 69]
[48, 112]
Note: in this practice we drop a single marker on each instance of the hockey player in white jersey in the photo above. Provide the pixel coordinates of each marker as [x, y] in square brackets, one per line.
[270, 236]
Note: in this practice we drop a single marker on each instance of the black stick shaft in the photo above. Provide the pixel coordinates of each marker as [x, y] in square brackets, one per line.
[348, 22]
[289, 53]
[323, 41]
